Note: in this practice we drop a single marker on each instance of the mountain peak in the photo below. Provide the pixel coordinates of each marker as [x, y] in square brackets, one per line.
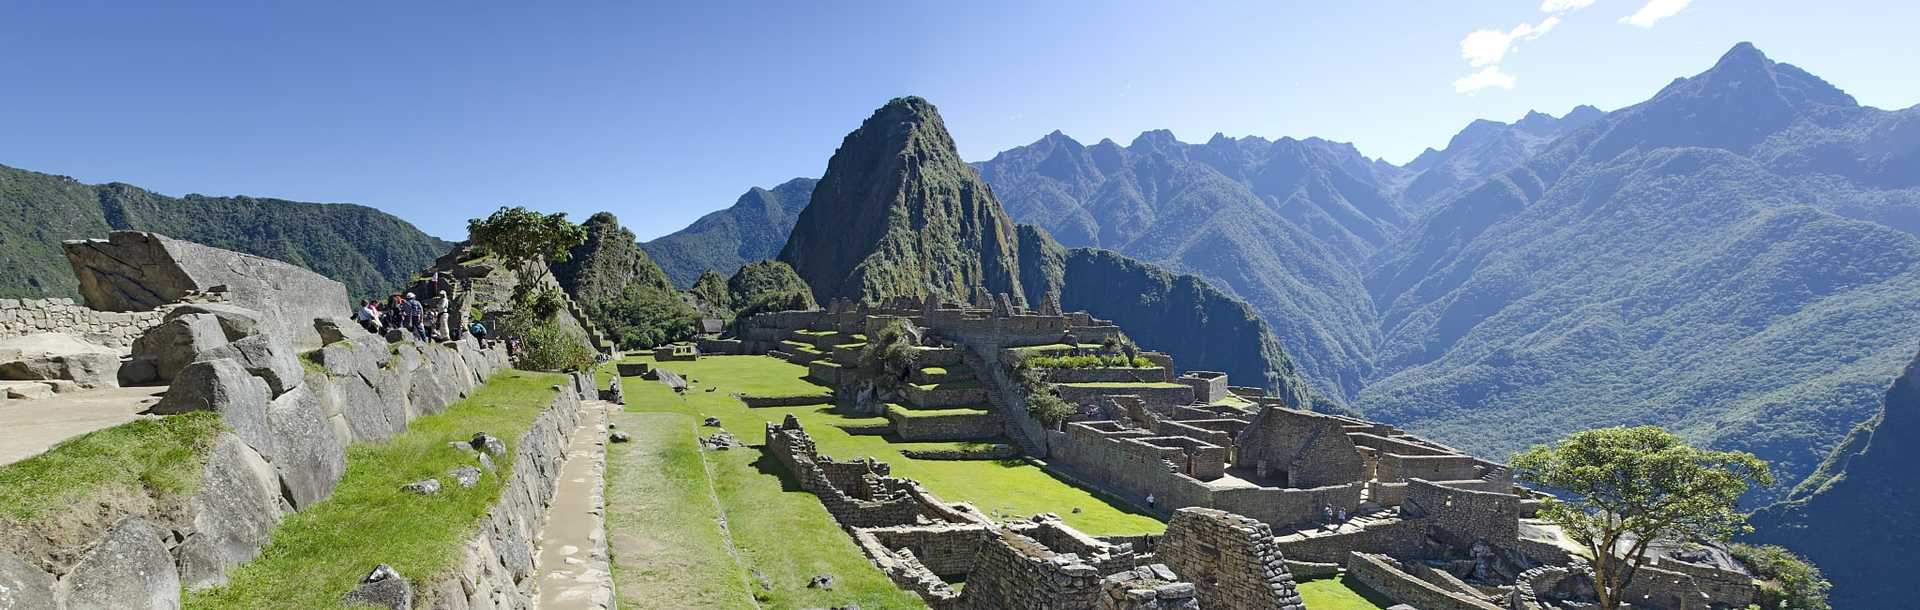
[898, 213]
[1743, 54]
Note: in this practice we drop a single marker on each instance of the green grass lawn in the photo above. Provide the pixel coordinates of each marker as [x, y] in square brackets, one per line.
[1340, 593]
[1008, 489]
[319, 554]
[911, 411]
[157, 458]
[668, 548]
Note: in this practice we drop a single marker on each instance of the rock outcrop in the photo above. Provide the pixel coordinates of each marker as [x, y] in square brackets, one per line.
[137, 271]
[898, 213]
[57, 356]
[287, 424]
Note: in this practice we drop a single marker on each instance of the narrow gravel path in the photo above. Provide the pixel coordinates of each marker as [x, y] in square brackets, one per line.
[573, 565]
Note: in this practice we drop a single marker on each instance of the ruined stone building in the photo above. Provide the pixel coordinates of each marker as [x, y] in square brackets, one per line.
[1256, 491]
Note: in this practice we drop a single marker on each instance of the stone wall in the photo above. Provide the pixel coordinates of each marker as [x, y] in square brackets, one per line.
[1384, 574]
[495, 569]
[1230, 559]
[1460, 517]
[1308, 449]
[1014, 572]
[285, 451]
[949, 427]
[114, 329]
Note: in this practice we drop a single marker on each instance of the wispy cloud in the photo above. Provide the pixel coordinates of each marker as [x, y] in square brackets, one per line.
[1562, 6]
[1487, 47]
[1652, 12]
[1491, 76]
[1484, 48]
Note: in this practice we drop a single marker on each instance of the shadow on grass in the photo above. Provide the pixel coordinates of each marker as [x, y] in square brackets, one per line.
[766, 465]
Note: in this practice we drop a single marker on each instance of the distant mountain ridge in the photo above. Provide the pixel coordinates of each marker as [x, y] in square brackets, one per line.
[371, 251]
[898, 214]
[1731, 278]
[754, 228]
[1482, 149]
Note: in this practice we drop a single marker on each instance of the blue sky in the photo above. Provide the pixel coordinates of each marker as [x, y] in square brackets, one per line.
[442, 111]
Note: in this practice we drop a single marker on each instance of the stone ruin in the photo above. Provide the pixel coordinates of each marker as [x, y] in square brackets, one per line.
[918, 540]
[1264, 489]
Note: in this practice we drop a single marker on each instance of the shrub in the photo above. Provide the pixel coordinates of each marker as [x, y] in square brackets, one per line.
[1800, 584]
[550, 347]
[889, 357]
[1048, 408]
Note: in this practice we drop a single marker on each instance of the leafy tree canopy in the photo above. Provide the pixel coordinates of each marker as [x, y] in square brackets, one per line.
[519, 236]
[1632, 487]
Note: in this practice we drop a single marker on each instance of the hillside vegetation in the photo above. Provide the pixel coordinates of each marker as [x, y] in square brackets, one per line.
[372, 252]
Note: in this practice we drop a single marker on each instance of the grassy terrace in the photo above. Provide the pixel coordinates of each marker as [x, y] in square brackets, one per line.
[1124, 384]
[1341, 593]
[153, 458]
[319, 554]
[911, 411]
[1010, 489]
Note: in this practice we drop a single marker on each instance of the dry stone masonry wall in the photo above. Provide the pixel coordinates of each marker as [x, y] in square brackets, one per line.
[113, 329]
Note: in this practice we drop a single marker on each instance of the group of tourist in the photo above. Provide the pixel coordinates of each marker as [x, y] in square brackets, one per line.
[424, 321]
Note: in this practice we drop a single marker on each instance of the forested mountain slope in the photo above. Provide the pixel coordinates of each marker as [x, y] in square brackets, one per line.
[1658, 266]
[372, 252]
[1854, 518]
[753, 229]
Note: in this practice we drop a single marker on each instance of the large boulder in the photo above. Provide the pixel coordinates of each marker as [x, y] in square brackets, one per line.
[268, 357]
[368, 417]
[129, 569]
[173, 344]
[138, 271]
[22, 586]
[307, 453]
[58, 356]
[234, 513]
[235, 321]
[223, 386]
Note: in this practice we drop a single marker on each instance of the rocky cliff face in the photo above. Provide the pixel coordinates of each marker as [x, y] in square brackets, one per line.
[899, 214]
[1854, 517]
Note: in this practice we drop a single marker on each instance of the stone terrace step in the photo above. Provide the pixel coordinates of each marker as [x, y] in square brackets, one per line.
[1156, 394]
[954, 394]
[935, 374]
[944, 424]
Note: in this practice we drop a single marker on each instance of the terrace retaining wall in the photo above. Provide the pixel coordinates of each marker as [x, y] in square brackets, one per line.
[496, 566]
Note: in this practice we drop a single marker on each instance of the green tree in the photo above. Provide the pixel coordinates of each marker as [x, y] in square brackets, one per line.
[1793, 583]
[888, 356]
[520, 236]
[1635, 486]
